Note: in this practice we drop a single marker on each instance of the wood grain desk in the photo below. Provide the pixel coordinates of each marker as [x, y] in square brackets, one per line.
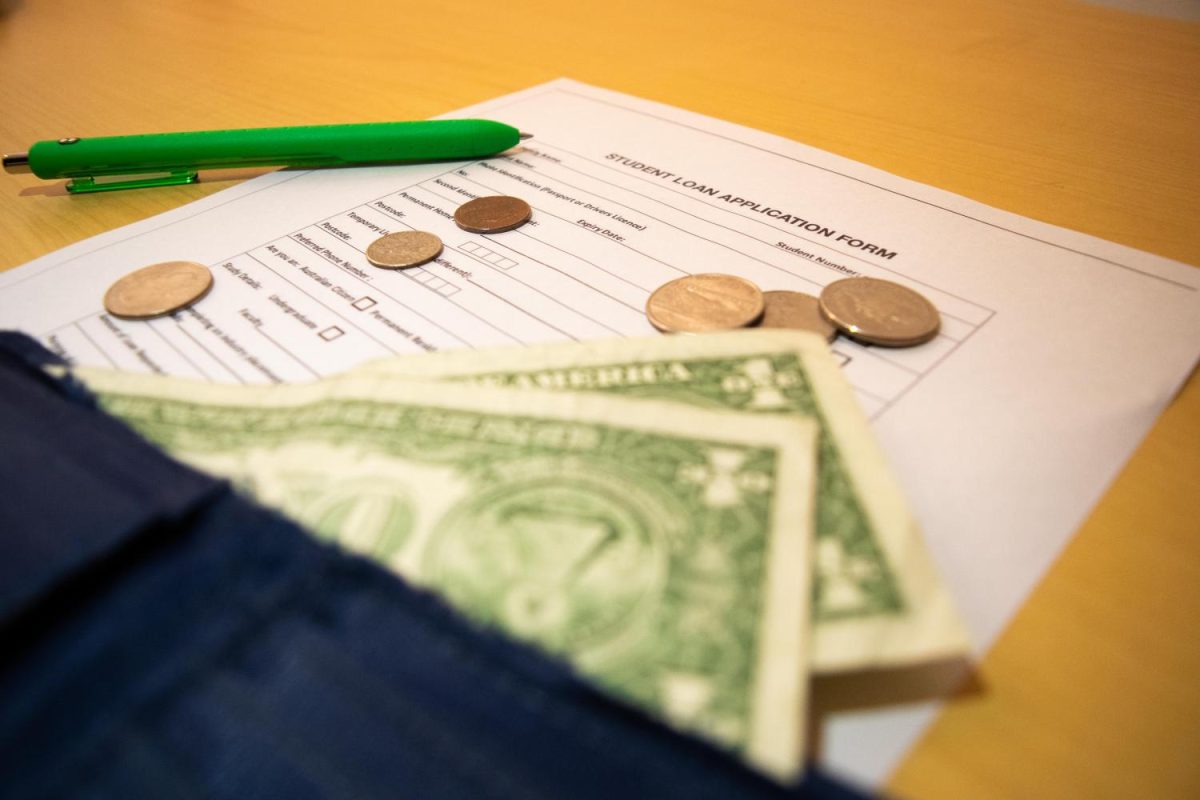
[1080, 116]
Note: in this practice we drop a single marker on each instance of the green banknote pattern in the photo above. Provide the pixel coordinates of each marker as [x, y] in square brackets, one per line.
[640, 556]
[771, 383]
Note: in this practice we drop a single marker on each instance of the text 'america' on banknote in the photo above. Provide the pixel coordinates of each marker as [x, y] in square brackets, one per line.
[879, 601]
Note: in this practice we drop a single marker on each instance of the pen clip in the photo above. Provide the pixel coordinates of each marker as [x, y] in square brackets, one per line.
[106, 183]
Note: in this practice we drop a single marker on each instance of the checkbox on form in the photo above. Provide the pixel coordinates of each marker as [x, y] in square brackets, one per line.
[331, 333]
[363, 303]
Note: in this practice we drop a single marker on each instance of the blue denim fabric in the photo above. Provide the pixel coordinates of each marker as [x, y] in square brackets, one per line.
[163, 637]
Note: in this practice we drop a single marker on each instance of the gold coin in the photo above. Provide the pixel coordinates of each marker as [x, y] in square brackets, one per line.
[158, 289]
[704, 302]
[404, 249]
[492, 214]
[796, 311]
[880, 312]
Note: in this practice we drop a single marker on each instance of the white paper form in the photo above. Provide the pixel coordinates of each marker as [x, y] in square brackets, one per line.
[1052, 362]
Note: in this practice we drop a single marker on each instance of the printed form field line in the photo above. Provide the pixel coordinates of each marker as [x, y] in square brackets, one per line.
[888, 400]
[154, 327]
[376, 288]
[99, 349]
[648, 215]
[741, 217]
[534, 288]
[419, 186]
[886, 189]
[546, 265]
[211, 354]
[405, 273]
[288, 352]
[318, 301]
[740, 253]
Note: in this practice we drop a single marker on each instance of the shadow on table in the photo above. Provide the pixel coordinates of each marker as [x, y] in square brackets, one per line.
[228, 177]
[56, 189]
[879, 688]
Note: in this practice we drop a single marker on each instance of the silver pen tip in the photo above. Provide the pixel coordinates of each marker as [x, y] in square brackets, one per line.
[525, 136]
[16, 163]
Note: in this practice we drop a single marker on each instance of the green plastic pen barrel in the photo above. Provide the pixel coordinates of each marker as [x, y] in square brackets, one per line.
[174, 157]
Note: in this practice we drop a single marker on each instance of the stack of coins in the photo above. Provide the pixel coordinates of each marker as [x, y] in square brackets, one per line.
[868, 310]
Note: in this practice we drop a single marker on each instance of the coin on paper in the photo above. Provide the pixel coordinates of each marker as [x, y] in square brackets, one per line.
[704, 302]
[158, 289]
[404, 249]
[492, 214]
[879, 312]
[795, 311]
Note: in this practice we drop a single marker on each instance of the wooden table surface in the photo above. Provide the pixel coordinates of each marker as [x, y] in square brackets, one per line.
[1081, 116]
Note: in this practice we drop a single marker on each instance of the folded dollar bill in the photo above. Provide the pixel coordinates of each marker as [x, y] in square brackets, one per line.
[879, 601]
[662, 548]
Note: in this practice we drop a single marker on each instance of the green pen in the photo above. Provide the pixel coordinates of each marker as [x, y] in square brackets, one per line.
[104, 163]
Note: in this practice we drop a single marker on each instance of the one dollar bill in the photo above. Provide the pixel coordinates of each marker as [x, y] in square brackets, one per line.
[879, 601]
[663, 549]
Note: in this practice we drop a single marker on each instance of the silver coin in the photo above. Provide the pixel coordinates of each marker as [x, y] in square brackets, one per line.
[404, 249]
[158, 289]
[704, 302]
[880, 312]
